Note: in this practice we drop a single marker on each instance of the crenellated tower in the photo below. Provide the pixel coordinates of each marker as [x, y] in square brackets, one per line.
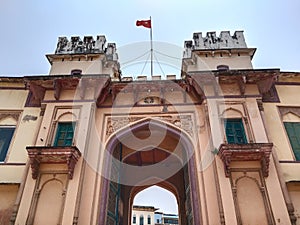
[217, 53]
[87, 56]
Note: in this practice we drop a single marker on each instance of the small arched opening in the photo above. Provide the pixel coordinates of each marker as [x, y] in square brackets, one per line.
[156, 202]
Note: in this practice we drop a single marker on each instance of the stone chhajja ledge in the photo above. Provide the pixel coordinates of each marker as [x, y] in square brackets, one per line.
[246, 152]
[68, 155]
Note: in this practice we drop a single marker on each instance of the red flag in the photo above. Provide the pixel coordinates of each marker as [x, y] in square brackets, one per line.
[144, 23]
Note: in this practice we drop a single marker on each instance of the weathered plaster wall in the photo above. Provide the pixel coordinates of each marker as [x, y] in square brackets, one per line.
[8, 194]
[288, 98]
[87, 67]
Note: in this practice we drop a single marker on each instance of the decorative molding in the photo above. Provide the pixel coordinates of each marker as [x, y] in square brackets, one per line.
[246, 152]
[48, 155]
[289, 109]
[12, 114]
[184, 122]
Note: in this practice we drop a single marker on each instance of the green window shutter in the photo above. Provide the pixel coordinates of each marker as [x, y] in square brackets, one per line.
[235, 132]
[6, 134]
[64, 134]
[293, 131]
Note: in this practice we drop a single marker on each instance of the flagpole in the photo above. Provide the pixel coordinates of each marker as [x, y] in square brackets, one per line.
[151, 43]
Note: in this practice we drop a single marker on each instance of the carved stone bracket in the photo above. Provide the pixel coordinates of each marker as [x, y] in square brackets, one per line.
[53, 155]
[246, 152]
[239, 79]
[143, 89]
[102, 89]
[265, 81]
[100, 84]
[36, 94]
[197, 83]
[60, 84]
[57, 88]
[265, 84]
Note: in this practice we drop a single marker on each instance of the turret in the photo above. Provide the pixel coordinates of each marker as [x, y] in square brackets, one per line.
[84, 56]
[214, 53]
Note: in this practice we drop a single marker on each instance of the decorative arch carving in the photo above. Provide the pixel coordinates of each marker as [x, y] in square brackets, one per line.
[74, 116]
[285, 110]
[182, 121]
[14, 115]
[231, 109]
[295, 117]
[247, 177]
[48, 181]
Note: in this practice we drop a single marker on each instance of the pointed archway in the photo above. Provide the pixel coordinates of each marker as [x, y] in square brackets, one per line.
[164, 157]
[158, 201]
[161, 198]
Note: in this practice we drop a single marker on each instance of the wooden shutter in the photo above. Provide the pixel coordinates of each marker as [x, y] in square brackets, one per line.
[293, 131]
[64, 134]
[235, 132]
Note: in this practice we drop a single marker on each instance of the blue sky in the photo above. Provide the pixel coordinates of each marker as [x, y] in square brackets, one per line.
[29, 30]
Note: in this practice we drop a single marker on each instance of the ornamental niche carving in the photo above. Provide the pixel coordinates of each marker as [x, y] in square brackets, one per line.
[183, 122]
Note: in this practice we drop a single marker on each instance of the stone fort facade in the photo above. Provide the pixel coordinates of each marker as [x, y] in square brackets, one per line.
[77, 145]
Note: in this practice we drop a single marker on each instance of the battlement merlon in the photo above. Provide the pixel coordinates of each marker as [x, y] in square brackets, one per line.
[78, 46]
[211, 44]
[87, 46]
[224, 41]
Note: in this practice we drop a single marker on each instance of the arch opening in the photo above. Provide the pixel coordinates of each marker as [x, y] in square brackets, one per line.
[157, 204]
[167, 162]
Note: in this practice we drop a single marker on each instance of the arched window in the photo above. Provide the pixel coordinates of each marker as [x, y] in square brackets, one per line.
[134, 219]
[141, 220]
[76, 72]
[223, 67]
[149, 219]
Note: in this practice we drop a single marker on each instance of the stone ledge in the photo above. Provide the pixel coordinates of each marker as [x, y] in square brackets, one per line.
[53, 155]
[246, 152]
